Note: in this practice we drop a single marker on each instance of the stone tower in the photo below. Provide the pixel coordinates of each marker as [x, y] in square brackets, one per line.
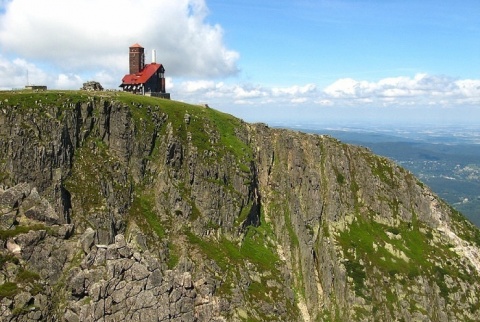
[137, 58]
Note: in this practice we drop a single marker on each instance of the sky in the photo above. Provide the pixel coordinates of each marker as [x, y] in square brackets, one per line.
[278, 62]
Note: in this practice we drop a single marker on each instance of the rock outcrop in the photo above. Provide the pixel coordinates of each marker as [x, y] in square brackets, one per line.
[92, 86]
[116, 207]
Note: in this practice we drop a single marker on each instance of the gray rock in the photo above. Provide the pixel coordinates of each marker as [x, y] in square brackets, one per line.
[8, 219]
[71, 316]
[120, 241]
[112, 252]
[35, 315]
[63, 231]
[30, 239]
[38, 208]
[92, 86]
[120, 295]
[139, 272]
[22, 300]
[13, 247]
[77, 284]
[12, 197]
[87, 239]
[154, 280]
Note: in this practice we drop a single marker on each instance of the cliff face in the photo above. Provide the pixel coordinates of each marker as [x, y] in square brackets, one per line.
[122, 207]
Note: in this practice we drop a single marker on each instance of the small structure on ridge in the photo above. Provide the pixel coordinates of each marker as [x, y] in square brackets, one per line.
[36, 87]
[144, 79]
[92, 86]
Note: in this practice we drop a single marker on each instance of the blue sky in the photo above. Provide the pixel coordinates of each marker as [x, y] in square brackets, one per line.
[325, 40]
[285, 43]
[297, 61]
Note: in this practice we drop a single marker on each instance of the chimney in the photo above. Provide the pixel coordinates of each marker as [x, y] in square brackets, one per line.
[154, 56]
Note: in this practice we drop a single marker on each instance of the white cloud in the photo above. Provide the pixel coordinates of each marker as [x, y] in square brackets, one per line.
[469, 88]
[294, 90]
[17, 73]
[420, 90]
[68, 81]
[324, 102]
[196, 86]
[344, 87]
[299, 100]
[245, 94]
[241, 93]
[87, 37]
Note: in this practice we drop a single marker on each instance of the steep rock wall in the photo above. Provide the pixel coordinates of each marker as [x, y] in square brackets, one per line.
[316, 190]
[151, 209]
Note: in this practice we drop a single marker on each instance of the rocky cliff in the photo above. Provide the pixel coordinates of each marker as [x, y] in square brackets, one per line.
[119, 207]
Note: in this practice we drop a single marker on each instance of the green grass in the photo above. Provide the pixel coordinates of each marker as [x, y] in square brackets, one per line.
[440, 274]
[340, 176]
[253, 248]
[257, 248]
[173, 257]
[20, 229]
[382, 168]
[27, 99]
[142, 109]
[26, 276]
[8, 290]
[7, 258]
[143, 212]
[258, 291]
[357, 272]
[90, 169]
[226, 126]
[244, 214]
[224, 253]
[364, 233]
[203, 122]
[414, 242]
[291, 231]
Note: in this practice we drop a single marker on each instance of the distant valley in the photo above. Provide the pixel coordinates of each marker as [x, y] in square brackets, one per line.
[445, 158]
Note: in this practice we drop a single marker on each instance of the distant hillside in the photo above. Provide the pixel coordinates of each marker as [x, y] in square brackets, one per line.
[122, 207]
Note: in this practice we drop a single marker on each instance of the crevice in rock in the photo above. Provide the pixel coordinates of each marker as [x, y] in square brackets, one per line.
[66, 200]
[253, 218]
[107, 109]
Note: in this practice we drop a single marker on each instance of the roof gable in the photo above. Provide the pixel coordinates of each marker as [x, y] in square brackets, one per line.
[143, 76]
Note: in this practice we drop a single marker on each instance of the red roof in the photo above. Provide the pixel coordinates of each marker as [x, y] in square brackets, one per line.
[136, 45]
[141, 77]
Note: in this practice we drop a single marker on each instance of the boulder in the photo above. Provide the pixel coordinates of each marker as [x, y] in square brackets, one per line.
[92, 86]
[87, 239]
[13, 247]
[12, 197]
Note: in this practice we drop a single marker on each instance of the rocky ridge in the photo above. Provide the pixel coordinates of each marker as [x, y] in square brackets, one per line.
[115, 205]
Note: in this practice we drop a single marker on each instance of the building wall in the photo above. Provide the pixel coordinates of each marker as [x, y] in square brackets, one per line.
[137, 59]
[155, 83]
